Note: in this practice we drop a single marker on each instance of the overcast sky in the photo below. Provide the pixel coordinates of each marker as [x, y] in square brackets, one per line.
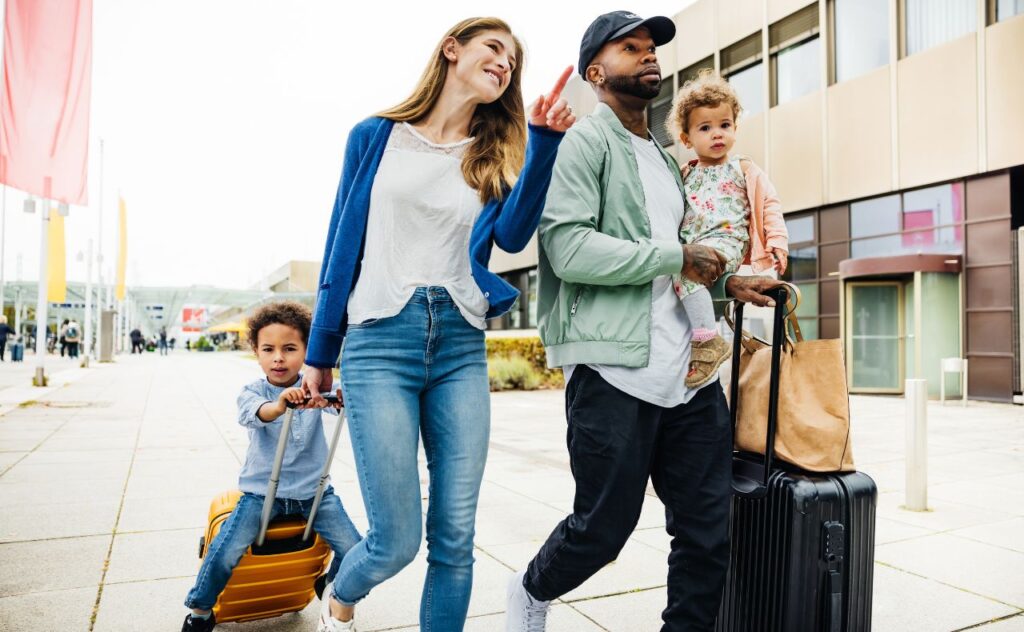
[224, 121]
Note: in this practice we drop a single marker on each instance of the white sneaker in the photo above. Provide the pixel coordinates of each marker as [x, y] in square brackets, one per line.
[523, 613]
[329, 623]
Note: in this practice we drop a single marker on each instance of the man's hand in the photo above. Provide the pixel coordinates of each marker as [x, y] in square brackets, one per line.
[750, 289]
[314, 382]
[702, 264]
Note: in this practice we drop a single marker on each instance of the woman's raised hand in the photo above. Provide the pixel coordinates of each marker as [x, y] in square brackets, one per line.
[552, 111]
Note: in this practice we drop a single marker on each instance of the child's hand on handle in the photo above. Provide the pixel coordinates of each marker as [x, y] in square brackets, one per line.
[552, 111]
[295, 395]
[315, 381]
[781, 260]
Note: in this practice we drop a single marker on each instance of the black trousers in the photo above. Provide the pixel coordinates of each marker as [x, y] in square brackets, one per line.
[616, 442]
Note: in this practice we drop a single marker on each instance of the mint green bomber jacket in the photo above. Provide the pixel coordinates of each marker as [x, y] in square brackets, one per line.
[597, 259]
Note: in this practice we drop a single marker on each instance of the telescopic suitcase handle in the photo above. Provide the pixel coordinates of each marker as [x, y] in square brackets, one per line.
[275, 472]
[750, 480]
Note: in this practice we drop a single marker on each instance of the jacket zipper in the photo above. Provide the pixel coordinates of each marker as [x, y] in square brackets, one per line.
[576, 301]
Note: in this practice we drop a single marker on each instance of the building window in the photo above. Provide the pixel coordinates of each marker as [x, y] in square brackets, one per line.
[861, 37]
[933, 22]
[658, 113]
[802, 271]
[691, 72]
[741, 65]
[795, 50]
[880, 216]
[933, 219]
[1005, 9]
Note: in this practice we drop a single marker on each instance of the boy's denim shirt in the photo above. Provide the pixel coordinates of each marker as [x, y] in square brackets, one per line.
[304, 454]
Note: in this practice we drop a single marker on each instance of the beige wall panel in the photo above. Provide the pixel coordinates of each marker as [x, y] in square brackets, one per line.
[1004, 84]
[738, 19]
[859, 137]
[502, 261]
[938, 113]
[778, 9]
[796, 152]
[695, 35]
[750, 138]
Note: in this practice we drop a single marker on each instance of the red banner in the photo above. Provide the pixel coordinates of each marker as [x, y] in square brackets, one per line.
[44, 107]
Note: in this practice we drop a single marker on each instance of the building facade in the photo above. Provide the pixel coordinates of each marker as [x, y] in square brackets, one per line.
[894, 133]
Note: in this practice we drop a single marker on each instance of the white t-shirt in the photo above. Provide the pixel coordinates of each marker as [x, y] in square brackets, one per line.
[417, 233]
[662, 381]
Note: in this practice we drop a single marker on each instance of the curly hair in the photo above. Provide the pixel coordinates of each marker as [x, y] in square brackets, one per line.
[289, 313]
[708, 90]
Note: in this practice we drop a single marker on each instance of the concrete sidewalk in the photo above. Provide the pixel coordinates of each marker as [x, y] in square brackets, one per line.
[105, 482]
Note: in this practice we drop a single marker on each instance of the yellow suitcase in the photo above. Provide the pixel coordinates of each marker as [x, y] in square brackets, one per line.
[278, 572]
[271, 579]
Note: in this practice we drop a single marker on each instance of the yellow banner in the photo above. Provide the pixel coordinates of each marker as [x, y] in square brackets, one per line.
[122, 250]
[57, 282]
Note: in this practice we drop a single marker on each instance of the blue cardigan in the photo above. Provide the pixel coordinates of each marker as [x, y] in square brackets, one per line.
[509, 222]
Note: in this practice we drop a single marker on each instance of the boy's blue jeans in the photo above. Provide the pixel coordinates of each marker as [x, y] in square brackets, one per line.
[422, 372]
[243, 525]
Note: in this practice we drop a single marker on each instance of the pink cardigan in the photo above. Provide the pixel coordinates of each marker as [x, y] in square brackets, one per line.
[767, 228]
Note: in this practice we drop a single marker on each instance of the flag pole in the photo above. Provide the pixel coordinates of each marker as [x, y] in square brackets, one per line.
[41, 298]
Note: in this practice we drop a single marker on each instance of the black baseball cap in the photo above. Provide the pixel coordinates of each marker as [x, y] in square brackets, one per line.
[616, 24]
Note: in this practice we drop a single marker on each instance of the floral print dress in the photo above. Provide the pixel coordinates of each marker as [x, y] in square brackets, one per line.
[717, 215]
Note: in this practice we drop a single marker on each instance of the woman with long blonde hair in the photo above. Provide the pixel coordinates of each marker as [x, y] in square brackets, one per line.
[427, 188]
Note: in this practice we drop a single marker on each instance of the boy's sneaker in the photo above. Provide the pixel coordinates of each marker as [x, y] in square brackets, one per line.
[195, 624]
[523, 613]
[327, 622]
[706, 357]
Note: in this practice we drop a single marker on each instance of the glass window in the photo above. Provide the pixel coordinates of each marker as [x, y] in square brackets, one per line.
[861, 30]
[795, 50]
[690, 72]
[531, 298]
[800, 229]
[875, 217]
[1008, 8]
[803, 265]
[807, 310]
[741, 65]
[933, 22]
[749, 86]
[797, 70]
[875, 247]
[939, 206]
[659, 111]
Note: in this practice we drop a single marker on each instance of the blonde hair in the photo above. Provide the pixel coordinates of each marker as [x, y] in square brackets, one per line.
[708, 90]
[494, 158]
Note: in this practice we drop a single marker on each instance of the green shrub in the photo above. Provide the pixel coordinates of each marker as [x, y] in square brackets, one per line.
[512, 373]
[532, 351]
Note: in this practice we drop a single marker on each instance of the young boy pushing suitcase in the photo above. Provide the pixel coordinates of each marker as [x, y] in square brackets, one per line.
[278, 333]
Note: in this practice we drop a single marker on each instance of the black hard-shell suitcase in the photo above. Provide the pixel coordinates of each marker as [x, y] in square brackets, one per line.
[803, 543]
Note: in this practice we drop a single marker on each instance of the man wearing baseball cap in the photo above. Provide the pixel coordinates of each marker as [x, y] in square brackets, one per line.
[609, 243]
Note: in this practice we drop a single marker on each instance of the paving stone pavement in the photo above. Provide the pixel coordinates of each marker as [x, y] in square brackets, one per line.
[106, 477]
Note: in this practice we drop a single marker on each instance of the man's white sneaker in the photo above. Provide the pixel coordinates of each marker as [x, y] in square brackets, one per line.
[523, 613]
[329, 623]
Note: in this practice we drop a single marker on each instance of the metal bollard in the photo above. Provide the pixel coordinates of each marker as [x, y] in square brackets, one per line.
[916, 393]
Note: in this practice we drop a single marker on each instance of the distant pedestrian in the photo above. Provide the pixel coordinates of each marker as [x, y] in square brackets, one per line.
[137, 340]
[163, 341]
[62, 339]
[72, 337]
[5, 332]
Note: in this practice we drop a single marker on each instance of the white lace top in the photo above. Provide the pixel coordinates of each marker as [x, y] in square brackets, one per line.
[417, 234]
